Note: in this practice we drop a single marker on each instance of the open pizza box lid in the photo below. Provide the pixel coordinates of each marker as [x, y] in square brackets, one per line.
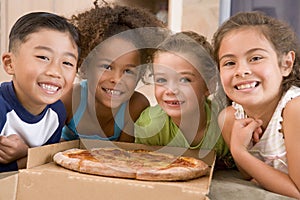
[43, 179]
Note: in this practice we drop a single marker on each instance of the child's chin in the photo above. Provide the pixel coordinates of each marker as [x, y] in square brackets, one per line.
[173, 113]
[114, 104]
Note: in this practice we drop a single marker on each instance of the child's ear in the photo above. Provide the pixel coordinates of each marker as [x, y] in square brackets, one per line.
[7, 63]
[287, 63]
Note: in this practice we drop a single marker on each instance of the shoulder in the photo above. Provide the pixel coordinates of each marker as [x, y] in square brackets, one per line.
[292, 108]
[59, 108]
[226, 115]
[7, 92]
[139, 98]
[291, 101]
[137, 103]
[8, 98]
[225, 120]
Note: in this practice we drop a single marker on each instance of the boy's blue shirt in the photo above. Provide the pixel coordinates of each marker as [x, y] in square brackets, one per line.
[35, 130]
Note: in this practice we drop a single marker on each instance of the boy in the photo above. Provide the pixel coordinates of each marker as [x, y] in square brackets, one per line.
[42, 59]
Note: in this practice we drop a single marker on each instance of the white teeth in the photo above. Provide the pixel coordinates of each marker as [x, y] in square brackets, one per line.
[113, 92]
[176, 103]
[246, 86]
[50, 88]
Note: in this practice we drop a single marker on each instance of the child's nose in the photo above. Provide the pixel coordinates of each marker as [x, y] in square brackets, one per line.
[172, 88]
[242, 70]
[115, 77]
[54, 69]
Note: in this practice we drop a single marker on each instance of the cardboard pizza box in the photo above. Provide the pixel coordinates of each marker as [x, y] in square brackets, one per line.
[43, 179]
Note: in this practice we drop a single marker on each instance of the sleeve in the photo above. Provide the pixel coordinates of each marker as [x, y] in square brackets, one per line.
[13, 166]
[67, 133]
[59, 108]
[3, 112]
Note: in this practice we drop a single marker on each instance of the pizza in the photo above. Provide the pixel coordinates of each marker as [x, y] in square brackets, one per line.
[137, 164]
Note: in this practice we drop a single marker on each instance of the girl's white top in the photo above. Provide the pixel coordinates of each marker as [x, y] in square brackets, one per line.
[271, 147]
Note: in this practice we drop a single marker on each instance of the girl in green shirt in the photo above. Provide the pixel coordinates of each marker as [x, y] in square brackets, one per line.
[186, 83]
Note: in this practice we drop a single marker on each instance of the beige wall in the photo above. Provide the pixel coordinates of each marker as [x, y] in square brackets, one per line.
[201, 16]
[198, 15]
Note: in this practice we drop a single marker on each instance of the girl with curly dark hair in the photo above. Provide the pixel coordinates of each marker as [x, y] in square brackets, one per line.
[116, 43]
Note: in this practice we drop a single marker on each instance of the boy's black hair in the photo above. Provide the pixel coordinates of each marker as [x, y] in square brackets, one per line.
[34, 21]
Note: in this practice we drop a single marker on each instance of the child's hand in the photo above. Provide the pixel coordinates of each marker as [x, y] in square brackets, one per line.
[12, 148]
[257, 134]
[243, 131]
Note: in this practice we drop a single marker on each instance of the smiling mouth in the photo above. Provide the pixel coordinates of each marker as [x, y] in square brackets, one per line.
[247, 86]
[113, 92]
[50, 88]
[175, 103]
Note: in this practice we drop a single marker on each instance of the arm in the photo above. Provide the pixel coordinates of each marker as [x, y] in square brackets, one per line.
[138, 102]
[291, 127]
[227, 117]
[267, 176]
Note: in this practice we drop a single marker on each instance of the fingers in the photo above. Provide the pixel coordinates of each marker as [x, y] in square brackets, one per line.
[257, 135]
[9, 141]
[255, 125]
[3, 141]
[244, 132]
[12, 147]
[4, 159]
[248, 123]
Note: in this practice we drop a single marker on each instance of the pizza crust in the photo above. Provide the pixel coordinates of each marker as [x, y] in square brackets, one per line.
[172, 174]
[175, 173]
[69, 163]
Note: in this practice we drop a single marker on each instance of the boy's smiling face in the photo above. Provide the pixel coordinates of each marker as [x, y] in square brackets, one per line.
[43, 68]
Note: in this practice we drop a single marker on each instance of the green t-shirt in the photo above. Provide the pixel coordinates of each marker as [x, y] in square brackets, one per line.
[155, 127]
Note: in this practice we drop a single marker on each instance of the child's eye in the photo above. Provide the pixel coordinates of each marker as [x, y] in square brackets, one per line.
[105, 66]
[160, 81]
[184, 80]
[129, 71]
[255, 58]
[228, 64]
[43, 58]
[68, 64]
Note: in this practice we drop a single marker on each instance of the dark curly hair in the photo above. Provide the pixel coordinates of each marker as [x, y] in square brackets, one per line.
[279, 34]
[106, 20]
